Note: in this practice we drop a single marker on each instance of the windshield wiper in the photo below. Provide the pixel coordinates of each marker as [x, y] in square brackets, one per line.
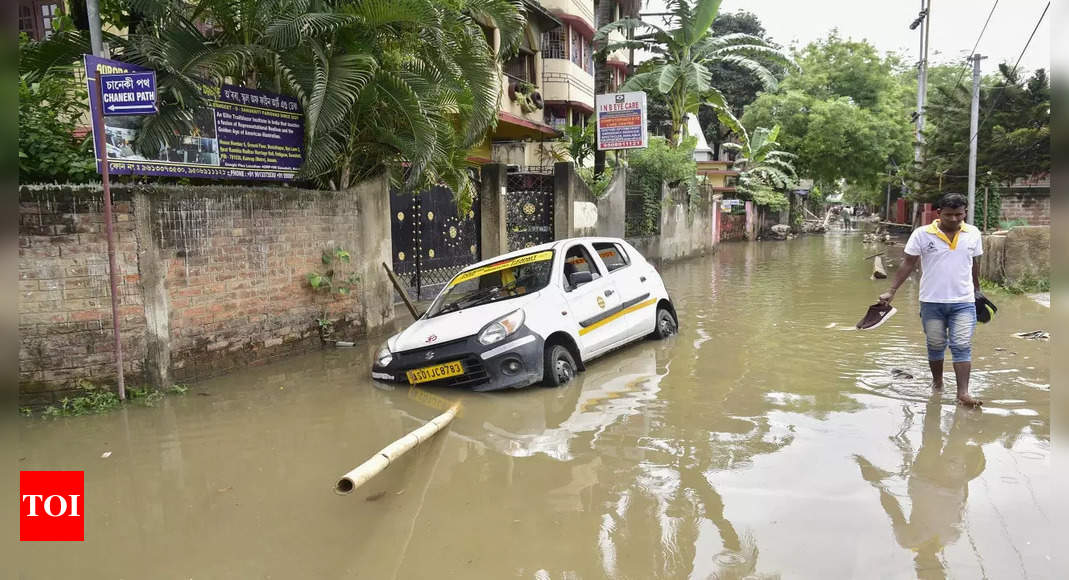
[478, 298]
[468, 301]
[451, 307]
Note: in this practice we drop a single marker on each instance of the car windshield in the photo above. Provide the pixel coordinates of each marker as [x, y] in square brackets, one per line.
[495, 282]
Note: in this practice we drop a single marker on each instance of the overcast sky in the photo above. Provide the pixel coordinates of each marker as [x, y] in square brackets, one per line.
[955, 26]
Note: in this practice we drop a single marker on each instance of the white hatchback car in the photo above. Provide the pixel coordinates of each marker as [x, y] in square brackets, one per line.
[534, 315]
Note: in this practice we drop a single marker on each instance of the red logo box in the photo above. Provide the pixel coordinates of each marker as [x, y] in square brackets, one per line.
[52, 506]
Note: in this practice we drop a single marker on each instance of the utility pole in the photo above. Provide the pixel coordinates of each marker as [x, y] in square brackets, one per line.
[96, 36]
[974, 120]
[924, 21]
[887, 208]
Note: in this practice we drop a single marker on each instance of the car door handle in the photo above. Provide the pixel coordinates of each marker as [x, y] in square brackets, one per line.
[608, 292]
[642, 279]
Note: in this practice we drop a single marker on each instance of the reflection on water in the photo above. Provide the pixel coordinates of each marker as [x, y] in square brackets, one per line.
[938, 475]
[730, 451]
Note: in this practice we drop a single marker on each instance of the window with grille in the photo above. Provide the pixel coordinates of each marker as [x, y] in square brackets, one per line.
[577, 48]
[556, 118]
[49, 12]
[521, 67]
[553, 44]
[588, 54]
[26, 20]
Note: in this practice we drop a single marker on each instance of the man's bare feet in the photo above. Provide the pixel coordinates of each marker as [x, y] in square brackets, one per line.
[966, 401]
[937, 385]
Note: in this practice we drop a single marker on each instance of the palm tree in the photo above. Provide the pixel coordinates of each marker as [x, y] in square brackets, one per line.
[404, 86]
[679, 69]
[764, 169]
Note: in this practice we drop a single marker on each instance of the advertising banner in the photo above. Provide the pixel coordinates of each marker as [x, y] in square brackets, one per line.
[621, 121]
[242, 134]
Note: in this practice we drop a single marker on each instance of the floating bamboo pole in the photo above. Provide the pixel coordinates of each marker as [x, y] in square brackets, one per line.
[878, 270]
[381, 460]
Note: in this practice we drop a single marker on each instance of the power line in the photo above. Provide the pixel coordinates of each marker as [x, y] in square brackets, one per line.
[995, 103]
[973, 51]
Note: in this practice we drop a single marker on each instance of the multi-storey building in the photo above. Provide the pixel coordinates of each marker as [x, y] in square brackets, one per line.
[563, 61]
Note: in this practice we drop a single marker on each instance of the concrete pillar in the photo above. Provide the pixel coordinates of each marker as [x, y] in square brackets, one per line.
[612, 206]
[714, 204]
[493, 204]
[563, 194]
[751, 235]
[153, 271]
[575, 211]
[376, 248]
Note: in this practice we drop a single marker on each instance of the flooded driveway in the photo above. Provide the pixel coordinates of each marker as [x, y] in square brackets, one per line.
[767, 440]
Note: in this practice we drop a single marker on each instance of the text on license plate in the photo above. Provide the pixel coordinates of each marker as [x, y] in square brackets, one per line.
[427, 374]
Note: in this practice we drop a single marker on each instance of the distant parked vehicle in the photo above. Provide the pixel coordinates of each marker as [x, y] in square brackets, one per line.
[535, 315]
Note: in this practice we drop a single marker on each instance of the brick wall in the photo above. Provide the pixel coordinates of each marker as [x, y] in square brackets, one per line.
[64, 300]
[214, 278]
[1033, 208]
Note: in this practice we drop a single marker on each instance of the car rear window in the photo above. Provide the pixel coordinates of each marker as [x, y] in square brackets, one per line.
[613, 255]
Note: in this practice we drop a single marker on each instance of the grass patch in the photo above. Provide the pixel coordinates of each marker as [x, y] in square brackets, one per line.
[1028, 285]
[93, 399]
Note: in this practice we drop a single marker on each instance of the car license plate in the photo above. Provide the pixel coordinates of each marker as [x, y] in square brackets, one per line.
[437, 372]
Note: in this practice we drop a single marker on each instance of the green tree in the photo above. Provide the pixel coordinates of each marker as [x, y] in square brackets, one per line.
[1013, 140]
[405, 86]
[50, 110]
[650, 169]
[765, 171]
[738, 86]
[845, 115]
[682, 54]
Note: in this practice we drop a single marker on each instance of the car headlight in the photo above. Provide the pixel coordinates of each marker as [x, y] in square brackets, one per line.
[502, 328]
[384, 357]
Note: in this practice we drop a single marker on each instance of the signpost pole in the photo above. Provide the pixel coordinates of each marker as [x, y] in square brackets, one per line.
[102, 150]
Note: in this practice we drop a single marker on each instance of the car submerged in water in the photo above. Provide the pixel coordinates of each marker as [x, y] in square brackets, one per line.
[534, 315]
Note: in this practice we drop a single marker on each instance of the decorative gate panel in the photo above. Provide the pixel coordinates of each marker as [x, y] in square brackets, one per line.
[529, 217]
[431, 241]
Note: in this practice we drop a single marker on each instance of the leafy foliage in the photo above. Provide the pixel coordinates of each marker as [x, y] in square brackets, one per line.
[679, 69]
[649, 169]
[334, 279]
[399, 86]
[1014, 141]
[764, 170]
[598, 184]
[581, 142]
[50, 110]
[92, 399]
[845, 115]
[738, 86]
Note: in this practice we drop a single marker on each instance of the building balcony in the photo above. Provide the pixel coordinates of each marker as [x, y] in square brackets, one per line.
[582, 9]
[566, 82]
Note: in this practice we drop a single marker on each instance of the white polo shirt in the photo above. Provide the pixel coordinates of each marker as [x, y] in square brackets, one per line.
[946, 264]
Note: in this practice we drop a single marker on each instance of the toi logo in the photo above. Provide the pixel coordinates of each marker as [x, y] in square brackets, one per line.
[51, 506]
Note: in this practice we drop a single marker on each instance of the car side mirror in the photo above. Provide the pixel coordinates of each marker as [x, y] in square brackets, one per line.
[578, 278]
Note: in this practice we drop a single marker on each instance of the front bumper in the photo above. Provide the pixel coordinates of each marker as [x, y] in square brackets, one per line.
[484, 366]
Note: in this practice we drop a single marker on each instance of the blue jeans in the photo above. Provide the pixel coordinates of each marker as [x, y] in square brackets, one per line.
[951, 323]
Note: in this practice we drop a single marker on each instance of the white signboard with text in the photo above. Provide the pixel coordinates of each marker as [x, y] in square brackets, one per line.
[621, 119]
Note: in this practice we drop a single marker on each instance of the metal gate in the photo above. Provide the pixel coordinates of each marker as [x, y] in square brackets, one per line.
[529, 218]
[431, 241]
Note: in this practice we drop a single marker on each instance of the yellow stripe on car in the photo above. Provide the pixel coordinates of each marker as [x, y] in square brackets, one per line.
[490, 269]
[609, 319]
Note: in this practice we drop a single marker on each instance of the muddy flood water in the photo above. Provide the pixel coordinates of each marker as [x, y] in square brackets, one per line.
[767, 440]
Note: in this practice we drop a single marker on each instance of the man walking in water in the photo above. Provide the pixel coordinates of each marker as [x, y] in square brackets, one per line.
[947, 250]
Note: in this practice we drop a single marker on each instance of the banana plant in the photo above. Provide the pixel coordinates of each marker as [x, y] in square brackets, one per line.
[764, 169]
[682, 52]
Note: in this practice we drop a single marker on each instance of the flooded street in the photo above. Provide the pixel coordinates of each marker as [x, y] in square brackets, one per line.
[768, 439]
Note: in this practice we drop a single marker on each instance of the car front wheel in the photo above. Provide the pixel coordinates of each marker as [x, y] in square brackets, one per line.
[559, 367]
[666, 324]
